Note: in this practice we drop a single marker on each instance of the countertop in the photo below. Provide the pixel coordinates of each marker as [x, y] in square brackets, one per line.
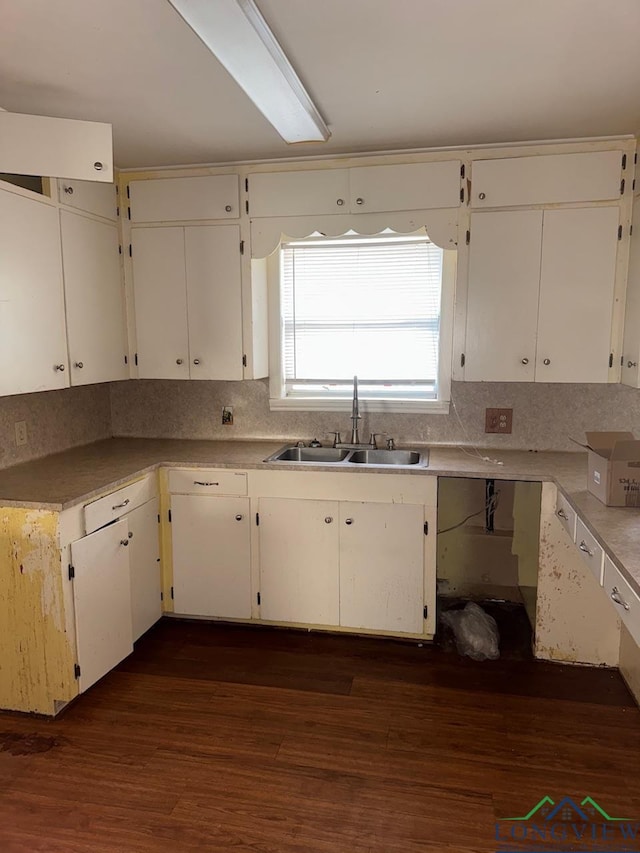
[76, 476]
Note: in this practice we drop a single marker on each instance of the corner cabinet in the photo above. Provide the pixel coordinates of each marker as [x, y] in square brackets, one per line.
[540, 295]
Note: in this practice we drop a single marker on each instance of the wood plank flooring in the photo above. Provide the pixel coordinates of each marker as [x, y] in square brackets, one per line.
[218, 738]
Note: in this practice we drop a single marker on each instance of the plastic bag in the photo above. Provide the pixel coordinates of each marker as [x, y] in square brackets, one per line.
[476, 632]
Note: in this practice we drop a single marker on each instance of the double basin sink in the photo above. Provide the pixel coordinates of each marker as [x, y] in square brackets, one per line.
[361, 456]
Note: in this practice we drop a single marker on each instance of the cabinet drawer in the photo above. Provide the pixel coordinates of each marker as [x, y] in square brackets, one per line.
[119, 503]
[184, 199]
[566, 515]
[592, 553]
[207, 481]
[623, 598]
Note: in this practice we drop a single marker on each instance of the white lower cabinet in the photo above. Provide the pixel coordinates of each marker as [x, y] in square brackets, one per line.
[382, 566]
[144, 558]
[102, 600]
[211, 556]
[299, 563]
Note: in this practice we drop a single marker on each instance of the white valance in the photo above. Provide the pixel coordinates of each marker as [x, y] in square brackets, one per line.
[441, 226]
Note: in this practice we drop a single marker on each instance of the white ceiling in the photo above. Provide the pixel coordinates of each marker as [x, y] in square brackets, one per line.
[385, 74]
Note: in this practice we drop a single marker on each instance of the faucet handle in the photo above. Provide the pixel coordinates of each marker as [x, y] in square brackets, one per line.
[391, 445]
[336, 438]
[373, 437]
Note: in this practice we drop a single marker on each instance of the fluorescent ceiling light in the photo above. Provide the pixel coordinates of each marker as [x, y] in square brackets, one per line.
[240, 38]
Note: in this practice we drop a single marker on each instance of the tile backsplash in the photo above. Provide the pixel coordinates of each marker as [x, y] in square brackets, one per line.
[544, 416]
[56, 420]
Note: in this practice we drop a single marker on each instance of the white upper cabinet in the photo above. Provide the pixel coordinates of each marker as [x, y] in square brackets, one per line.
[413, 186]
[100, 199]
[502, 304]
[33, 349]
[546, 179]
[214, 301]
[299, 193]
[541, 295]
[184, 199]
[94, 300]
[367, 189]
[160, 297]
[579, 248]
[631, 351]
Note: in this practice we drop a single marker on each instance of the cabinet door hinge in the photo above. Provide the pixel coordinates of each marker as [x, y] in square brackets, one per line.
[462, 171]
[425, 612]
[257, 519]
[468, 238]
[426, 528]
[461, 194]
[242, 247]
[619, 232]
[72, 572]
[171, 593]
[135, 358]
[462, 359]
[610, 359]
[158, 518]
[622, 187]
[624, 161]
[244, 360]
[128, 213]
[246, 206]
[246, 185]
[126, 359]
[130, 250]
[162, 596]
[128, 194]
[258, 597]
[119, 250]
[117, 211]
[76, 670]
[169, 514]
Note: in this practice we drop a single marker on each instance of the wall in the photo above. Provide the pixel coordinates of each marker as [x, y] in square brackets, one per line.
[544, 415]
[56, 420]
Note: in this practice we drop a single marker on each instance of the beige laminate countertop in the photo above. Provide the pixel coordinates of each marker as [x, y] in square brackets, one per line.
[76, 476]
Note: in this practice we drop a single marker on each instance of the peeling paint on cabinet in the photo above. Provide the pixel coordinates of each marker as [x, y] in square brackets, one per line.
[36, 630]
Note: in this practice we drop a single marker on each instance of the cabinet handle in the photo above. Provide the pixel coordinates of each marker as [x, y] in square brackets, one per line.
[196, 361]
[359, 201]
[204, 483]
[239, 517]
[79, 365]
[525, 361]
[348, 521]
[328, 519]
[632, 363]
[615, 596]
[481, 196]
[340, 202]
[68, 190]
[98, 166]
[123, 504]
[179, 361]
[562, 514]
[228, 208]
[59, 367]
[583, 547]
[124, 542]
[130, 534]
[547, 361]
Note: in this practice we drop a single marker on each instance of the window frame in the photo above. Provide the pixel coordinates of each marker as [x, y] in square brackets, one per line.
[278, 401]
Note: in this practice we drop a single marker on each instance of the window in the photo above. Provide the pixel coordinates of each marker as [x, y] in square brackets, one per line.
[365, 306]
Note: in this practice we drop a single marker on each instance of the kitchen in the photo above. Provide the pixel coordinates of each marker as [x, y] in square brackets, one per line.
[546, 415]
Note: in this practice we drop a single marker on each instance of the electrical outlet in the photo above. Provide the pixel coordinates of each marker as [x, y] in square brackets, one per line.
[227, 416]
[22, 436]
[498, 420]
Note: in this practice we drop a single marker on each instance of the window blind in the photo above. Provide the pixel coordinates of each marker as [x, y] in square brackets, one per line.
[368, 307]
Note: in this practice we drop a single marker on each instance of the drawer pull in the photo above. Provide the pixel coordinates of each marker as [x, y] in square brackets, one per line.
[562, 514]
[124, 542]
[583, 547]
[615, 596]
[124, 503]
[204, 483]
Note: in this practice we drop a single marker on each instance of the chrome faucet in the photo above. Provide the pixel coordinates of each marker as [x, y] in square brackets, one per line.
[355, 414]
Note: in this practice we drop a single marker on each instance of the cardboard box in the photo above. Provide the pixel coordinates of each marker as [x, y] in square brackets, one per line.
[614, 467]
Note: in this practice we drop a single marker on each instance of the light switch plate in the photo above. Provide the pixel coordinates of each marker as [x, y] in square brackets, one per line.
[22, 436]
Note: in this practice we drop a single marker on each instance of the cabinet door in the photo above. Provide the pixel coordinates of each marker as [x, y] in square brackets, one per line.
[94, 300]
[299, 570]
[413, 186]
[214, 301]
[502, 302]
[102, 599]
[184, 199]
[382, 567]
[577, 281]
[144, 565]
[93, 197]
[630, 371]
[32, 328]
[211, 556]
[299, 193]
[160, 298]
[550, 179]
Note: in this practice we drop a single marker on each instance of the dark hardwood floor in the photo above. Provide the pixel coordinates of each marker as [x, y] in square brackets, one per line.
[216, 738]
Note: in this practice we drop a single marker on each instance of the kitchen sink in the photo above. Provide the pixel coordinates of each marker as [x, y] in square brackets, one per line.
[340, 456]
